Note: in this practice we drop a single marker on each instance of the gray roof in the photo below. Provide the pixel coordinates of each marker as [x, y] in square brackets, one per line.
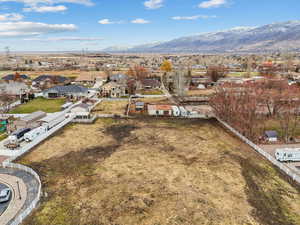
[13, 76]
[34, 116]
[271, 133]
[59, 79]
[69, 89]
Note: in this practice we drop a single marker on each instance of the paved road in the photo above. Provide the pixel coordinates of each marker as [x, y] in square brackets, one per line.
[272, 148]
[30, 182]
[16, 203]
[3, 206]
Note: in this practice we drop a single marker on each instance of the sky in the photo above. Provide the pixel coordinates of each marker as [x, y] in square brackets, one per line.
[66, 25]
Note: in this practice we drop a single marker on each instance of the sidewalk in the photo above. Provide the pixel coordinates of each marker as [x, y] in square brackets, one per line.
[16, 203]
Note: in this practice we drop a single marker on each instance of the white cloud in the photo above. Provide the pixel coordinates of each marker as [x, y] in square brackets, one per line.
[212, 3]
[50, 2]
[140, 21]
[153, 4]
[108, 21]
[11, 17]
[87, 39]
[44, 9]
[193, 17]
[17, 29]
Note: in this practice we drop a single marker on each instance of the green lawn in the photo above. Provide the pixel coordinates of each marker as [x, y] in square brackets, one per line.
[46, 105]
[152, 92]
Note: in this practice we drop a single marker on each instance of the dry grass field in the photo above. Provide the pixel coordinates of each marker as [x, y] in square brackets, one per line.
[157, 172]
[204, 92]
[111, 107]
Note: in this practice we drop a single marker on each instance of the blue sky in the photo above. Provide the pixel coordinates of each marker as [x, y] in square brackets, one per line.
[43, 25]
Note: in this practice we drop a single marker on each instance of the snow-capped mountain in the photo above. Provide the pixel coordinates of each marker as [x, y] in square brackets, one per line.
[273, 37]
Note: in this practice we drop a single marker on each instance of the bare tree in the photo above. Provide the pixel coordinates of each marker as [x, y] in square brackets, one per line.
[216, 72]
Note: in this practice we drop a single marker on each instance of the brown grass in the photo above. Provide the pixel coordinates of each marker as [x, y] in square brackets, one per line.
[111, 107]
[205, 92]
[151, 172]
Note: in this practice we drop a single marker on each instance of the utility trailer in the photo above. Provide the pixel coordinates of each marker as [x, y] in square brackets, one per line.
[288, 154]
[175, 111]
[33, 134]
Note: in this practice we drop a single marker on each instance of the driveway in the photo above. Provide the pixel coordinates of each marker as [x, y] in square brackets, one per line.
[30, 189]
[272, 148]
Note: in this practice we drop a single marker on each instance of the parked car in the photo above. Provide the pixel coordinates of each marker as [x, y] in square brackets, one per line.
[5, 195]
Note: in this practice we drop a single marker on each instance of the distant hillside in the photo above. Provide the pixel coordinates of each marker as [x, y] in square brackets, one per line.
[268, 38]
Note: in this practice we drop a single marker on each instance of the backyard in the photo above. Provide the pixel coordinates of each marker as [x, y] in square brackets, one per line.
[157, 172]
[39, 104]
[111, 107]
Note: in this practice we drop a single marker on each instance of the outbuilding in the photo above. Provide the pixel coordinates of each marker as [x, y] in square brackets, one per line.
[159, 110]
[66, 91]
[271, 136]
[29, 121]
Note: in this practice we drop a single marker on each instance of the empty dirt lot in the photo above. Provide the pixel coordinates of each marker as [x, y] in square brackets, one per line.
[157, 172]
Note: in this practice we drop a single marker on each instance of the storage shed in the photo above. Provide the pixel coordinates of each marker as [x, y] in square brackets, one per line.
[159, 110]
[29, 121]
[271, 136]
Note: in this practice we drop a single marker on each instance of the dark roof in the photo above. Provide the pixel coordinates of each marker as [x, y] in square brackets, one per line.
[12, 77]
[150, 82]
[271, 133]
[69, 89]
[59, 79]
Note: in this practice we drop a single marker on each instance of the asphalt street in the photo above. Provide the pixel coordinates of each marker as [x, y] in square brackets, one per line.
[3, 206]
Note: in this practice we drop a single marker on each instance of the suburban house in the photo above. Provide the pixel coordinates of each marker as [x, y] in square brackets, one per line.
[119, 78]
[72, 91]
[149, 83]
[90, 78]
[47, 81]
[29, 121]
[16, 77]
[113, 90]
[199, 82]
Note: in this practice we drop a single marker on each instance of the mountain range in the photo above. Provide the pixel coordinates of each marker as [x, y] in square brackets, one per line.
[283, 36]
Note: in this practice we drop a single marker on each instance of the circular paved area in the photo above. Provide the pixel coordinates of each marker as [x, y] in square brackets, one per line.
[4, 205]
[30, 181]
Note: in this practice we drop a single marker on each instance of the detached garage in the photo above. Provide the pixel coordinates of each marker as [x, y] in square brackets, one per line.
[159, 110]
